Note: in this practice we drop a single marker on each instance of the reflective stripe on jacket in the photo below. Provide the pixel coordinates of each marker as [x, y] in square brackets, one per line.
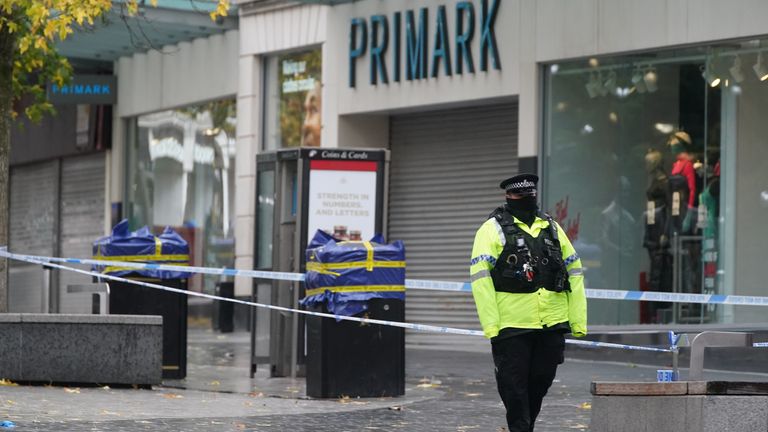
[543, 308]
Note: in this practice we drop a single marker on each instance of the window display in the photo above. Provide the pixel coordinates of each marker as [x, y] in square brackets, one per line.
[294, 100]
[631, 155]
[181, 173]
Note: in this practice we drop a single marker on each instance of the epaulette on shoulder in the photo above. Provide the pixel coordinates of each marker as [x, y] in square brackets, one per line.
[497, 213]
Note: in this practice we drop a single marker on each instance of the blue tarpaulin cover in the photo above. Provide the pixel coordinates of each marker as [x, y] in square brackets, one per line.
[344, 275]
[142, 246]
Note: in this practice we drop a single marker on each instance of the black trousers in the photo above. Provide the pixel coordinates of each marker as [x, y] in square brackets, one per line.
[525, 368]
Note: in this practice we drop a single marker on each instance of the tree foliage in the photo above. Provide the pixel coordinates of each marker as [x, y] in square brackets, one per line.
[34, 27]
[29, 32]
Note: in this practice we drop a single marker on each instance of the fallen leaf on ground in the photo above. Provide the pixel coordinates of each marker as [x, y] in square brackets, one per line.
[172, 396]
[428, 385]
[579, 426]
[255, 394]
[106, 412]
[10, 402]
[586, 406]
[472, 394]
[215, 383]
[396, 408]
[7, 383]
[72, 390]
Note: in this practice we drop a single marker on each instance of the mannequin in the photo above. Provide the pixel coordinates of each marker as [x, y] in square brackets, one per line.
[656, 228]
[682, 183]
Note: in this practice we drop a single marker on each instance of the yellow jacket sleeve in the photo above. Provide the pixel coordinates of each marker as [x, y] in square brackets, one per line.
[577, 299]
[486, 250]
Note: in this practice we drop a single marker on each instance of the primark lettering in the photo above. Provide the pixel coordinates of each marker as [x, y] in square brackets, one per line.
[451, 49]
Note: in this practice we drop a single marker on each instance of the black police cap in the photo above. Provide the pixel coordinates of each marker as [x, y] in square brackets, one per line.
[521, 184]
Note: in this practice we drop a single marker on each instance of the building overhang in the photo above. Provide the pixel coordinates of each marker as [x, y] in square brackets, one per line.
[116, 34]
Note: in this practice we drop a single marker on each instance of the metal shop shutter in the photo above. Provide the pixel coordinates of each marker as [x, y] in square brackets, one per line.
[445, 170]
[33, 208]
[82, 221]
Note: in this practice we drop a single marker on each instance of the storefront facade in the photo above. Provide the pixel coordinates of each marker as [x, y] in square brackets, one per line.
[466, 93]
[175, 155]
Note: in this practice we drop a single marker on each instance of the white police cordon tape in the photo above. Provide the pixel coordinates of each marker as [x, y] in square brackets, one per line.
[412, 326]
[760, 344]
[409, 283]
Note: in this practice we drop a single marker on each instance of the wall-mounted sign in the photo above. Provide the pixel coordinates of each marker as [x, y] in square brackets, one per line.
[344, 193]
[423, 59]
[85, 89]
[300, 88]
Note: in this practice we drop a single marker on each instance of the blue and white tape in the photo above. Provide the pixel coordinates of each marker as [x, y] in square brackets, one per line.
[603, 294]
[48, 261]
[760, 344]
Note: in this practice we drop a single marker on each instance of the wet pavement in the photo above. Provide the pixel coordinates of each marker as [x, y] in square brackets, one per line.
[445, 391]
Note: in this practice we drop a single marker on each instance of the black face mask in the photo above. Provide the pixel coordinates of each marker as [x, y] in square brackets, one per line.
[524, 209]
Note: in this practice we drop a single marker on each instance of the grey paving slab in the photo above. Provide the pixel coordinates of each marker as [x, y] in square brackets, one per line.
[446, 391]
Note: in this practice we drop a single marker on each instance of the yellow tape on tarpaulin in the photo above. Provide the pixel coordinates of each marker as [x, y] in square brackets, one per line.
[357, 288]
[157, 258]
[319, 267]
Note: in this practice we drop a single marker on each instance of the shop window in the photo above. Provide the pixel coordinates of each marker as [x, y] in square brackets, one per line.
[293, 102]
[632, 167]
[181, 173]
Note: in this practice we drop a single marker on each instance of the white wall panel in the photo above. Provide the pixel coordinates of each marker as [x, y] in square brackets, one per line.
[282, 29]
[184, 74]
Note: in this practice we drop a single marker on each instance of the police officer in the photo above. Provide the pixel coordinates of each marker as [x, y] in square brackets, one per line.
[528, 287]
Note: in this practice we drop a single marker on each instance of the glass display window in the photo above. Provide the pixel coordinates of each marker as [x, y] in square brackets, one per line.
[181, 174]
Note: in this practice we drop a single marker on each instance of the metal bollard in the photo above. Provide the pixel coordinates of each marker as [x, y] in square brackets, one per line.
[713, 339]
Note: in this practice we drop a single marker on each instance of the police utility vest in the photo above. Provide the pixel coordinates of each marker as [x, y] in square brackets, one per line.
[528, 263]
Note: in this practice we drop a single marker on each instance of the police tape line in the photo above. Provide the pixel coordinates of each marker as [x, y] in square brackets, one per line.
[412, 326]
[760, 344]
[602, 294]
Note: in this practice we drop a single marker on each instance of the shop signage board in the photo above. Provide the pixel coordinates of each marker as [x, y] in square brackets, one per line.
[400, 46]
[344, 193]
[85, 89]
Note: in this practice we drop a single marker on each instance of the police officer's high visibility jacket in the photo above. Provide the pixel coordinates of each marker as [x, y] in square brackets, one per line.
[536, 310]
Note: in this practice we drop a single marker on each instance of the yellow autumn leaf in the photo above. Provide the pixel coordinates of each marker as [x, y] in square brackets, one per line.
[7, 383]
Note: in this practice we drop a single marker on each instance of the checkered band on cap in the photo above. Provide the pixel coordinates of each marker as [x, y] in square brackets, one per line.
[521, 183]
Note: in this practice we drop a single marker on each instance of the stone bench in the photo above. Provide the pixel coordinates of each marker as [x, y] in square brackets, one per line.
[98, 349]
[682, 406]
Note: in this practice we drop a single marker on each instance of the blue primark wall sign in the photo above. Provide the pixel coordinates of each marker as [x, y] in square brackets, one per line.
[382, 40]
[85, 89]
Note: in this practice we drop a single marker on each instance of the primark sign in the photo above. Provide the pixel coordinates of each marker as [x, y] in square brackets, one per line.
[422, 44]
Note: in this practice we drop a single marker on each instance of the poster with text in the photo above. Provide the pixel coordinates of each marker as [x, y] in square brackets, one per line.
[342, 199]
[300, 99]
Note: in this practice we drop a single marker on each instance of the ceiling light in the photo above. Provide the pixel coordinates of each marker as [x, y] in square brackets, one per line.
[594, 62]
[610, 85]
[593, 86]
[637, 80]
[736, 72]
[601, 88]
[708, 73]
[650, 79]
[664, 128]
[613, 117]
[760, 70]
[553, 69]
